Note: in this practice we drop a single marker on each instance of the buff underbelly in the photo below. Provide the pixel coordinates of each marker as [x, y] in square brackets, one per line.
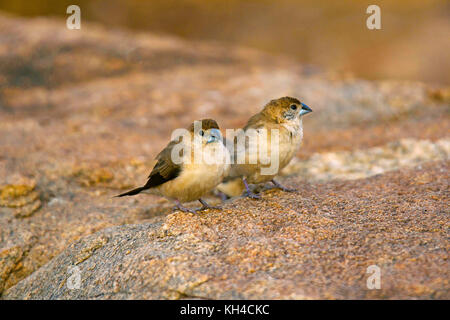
[287, 151]
[193, 183]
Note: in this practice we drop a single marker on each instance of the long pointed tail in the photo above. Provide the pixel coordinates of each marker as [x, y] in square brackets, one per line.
[132, 192]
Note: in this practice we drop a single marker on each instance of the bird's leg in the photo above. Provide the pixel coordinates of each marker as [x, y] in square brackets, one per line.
[280, 186]
[222, 195]
[206, 205]
[249, 193]
[184, 209]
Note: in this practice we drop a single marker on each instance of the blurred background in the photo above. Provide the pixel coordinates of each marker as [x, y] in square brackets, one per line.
[413, 43]
[84, 112]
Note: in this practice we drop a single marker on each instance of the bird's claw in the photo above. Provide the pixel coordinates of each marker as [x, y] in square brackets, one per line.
[223, 196]
[251, 195]
[210, 207]
[184, 209]
[206, 206]
[283, 188]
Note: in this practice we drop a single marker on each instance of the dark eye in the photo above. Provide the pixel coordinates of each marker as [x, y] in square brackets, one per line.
[201, 132]
[294, 107]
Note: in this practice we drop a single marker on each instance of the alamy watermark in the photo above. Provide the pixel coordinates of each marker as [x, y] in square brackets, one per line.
[373, 22]
[73, 22]
[253, 146]
[374, 280]
[74, 280]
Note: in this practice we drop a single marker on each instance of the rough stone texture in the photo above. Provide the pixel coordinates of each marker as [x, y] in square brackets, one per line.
[368, 162]
[316, 243]
[82, 114]
[346, 165]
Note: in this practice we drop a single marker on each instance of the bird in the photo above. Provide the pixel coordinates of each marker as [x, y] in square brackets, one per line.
[278, 130]
[189, 167]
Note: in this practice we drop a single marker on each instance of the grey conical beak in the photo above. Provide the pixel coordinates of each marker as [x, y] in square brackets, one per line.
[305, 109]
[214, 136]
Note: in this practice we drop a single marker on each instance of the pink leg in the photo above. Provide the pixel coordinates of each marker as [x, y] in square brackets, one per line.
[184, 209]
[280, 186]
[248, 193]
[207, 206]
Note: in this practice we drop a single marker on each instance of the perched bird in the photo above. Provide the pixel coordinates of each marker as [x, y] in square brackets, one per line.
[190, 166]
[278, 131]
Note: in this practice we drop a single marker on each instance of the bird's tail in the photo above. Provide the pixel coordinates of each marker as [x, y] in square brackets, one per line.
[132, 192]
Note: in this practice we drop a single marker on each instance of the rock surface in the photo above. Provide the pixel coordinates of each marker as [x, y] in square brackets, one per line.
[316, 243]
[82, 114]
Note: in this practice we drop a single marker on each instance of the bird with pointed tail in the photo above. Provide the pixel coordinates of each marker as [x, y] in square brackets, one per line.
[267, 143]
[189, 167]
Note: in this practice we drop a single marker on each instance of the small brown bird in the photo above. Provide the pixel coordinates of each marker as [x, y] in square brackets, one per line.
[268, 142]
[190, 166]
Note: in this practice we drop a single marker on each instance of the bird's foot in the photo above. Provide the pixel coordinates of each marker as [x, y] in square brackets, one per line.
[206, 206]
[251, 195]
[222, 196]
[210, 207]
[184, 209]
[248, 193]
[280, 186]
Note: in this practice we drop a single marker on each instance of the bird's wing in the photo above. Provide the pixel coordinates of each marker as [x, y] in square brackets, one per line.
[254, 122]
[165, 169]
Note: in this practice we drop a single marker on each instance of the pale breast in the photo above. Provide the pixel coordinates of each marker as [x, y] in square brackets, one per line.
[289, 138]
[197, 179]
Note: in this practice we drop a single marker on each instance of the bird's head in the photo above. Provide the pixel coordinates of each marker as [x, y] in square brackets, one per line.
[207, 130]
[285, 110]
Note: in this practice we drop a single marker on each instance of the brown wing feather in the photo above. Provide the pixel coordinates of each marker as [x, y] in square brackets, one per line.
[163, 171]
[165, 166]
[256, 121]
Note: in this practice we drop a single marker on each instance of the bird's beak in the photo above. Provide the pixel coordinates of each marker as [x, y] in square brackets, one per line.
[305, 109]
[214, 136]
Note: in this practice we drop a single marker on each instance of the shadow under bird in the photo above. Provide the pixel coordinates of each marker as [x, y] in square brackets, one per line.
[191, 176]
[280, 121]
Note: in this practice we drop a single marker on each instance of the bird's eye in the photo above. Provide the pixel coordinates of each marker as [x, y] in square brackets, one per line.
[202, 133]
[294, 107]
